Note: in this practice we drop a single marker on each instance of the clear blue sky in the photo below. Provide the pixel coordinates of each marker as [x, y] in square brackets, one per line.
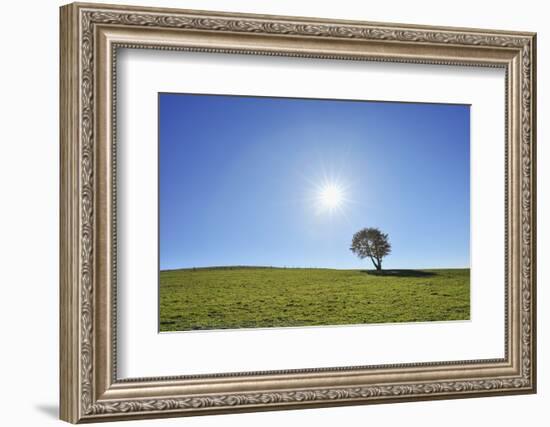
[240, 179]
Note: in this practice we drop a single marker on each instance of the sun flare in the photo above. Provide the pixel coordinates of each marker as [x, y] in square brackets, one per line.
[331, 196]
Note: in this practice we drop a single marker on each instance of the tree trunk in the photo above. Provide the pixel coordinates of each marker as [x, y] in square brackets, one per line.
[377, 263]
[374, 263]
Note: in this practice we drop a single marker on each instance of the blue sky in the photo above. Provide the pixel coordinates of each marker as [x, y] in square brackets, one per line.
[241, 177]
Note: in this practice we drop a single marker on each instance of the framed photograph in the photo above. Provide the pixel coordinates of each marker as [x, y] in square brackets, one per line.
[266, 212]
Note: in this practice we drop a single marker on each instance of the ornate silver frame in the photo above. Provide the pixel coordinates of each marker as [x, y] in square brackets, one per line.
[90, 36]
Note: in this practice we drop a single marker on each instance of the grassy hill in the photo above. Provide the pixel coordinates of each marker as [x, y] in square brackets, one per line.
[259, 297]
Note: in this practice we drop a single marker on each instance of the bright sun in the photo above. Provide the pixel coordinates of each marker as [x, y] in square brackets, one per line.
[331, 196]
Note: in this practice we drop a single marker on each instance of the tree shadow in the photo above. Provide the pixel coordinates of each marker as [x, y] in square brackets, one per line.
[399, 273]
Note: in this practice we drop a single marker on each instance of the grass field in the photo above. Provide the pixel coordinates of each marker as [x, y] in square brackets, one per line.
[249, 297]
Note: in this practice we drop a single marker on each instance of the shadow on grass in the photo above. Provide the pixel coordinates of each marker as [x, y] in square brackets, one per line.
[399, 273]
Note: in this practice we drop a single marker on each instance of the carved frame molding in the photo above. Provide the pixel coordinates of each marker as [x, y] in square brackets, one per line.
[90, 36]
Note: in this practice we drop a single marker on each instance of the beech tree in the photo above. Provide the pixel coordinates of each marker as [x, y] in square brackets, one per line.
[372, 243]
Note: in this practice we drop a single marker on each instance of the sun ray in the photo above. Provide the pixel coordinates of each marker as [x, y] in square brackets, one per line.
[330, 196]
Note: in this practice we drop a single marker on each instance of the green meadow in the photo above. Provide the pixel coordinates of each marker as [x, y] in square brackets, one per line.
[260, 297]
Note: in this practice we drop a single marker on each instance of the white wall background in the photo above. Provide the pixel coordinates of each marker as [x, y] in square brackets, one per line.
[29, 170]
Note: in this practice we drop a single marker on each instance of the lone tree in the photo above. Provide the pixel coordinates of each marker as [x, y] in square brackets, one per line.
[371, 242]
